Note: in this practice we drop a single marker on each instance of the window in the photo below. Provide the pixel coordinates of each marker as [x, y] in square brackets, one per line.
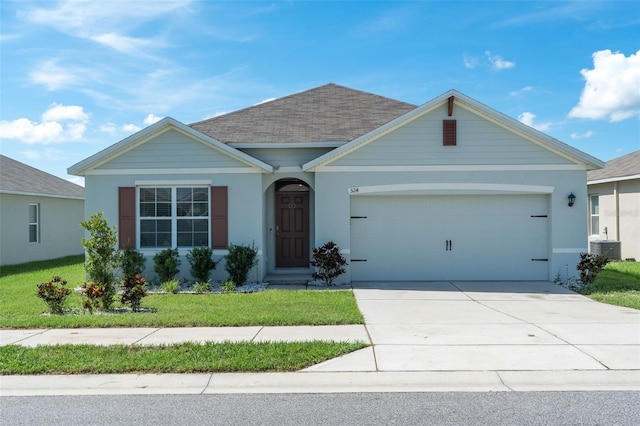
[594, 214]
[174, 217]
[34, 223]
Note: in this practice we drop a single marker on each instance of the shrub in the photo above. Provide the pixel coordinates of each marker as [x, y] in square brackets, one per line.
[228, 286]
[590, 265]
[132, 262]
[134, 288]
[171, 286]
[329, 263]
[93, 293]
[202, 287]
[200, 259]
[102, 258]
[239, 262]
[54, 293]
[166, 264]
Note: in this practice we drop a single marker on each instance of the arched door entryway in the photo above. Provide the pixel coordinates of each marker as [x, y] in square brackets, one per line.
[292, 223]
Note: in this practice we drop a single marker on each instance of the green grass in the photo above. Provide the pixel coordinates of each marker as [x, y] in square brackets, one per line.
[180, 358]
[618, 284]
[21, 308]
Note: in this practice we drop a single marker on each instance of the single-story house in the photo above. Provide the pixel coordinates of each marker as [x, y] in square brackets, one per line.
[40, 214]
[614, 204]
[451, 189]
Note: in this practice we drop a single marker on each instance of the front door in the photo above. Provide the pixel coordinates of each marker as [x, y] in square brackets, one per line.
[292, 229]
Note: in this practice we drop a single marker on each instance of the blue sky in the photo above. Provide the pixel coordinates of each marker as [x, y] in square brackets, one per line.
[78, 76]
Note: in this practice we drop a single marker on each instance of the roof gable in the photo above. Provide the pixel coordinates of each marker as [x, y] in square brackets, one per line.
[153, 131]
[19, 178]
[329, 113]
[476, 107]
[621, 168]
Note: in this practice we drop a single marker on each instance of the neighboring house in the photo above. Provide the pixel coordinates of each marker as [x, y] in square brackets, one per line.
[40, 214]
[614, 204]
[451, 189]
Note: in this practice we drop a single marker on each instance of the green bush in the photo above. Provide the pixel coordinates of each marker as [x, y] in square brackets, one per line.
[590, 265]
[166, 264]
[132, 262]
[171, 286]
[239, 262]
[134, 288]
[202, 287]
[54, 293]
[102, 257]
[228, 286]
[200, 259]
[329, 263]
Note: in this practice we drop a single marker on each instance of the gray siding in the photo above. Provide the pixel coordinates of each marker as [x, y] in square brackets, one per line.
[171, 150]
[285, 157]
[479, 142]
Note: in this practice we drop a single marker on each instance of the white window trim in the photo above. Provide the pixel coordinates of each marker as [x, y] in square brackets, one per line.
[174, 213]
[36, 223]
[592, 232]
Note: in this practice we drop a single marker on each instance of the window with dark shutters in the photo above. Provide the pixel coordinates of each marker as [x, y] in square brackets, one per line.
[449, 132]
[126, 217]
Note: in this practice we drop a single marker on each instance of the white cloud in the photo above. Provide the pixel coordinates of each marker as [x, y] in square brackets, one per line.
[584, 135]
[612, 88]
[265, 101]
[521, 91]
[151, 118]
[59, 124]
[497, 63]
[124, 44]
[54, 77]
[132, 128]
[109, 128]
[529, 119]
[470, 62]
[78, 180]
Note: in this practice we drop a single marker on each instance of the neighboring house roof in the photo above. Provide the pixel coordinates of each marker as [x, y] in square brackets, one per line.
[621, 168]
[329, 113]
[153, 130]
[18, 178]
[482, 110]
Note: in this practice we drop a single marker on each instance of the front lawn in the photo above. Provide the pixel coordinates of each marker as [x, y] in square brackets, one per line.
[21, 308]
[179, 358]
[617, 284]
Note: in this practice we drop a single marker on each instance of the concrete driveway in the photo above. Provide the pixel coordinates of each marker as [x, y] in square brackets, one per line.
[490, 326]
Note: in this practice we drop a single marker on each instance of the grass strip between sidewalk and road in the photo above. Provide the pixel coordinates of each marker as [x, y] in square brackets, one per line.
[21, 308]
[179, 358]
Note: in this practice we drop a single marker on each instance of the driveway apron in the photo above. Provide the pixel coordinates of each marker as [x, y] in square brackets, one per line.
[490, 326]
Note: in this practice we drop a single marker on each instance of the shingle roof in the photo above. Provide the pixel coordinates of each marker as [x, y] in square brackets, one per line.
[627, 165]
[329, 113]
[20, 178]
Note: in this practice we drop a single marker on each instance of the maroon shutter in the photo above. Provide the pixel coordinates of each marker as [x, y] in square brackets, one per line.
[449, 132]
[127, 217]
[219, 217]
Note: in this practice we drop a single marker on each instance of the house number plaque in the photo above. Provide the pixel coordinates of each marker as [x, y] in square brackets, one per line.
[353, 190]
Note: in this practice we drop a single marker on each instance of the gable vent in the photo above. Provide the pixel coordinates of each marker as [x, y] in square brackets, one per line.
[448, 132]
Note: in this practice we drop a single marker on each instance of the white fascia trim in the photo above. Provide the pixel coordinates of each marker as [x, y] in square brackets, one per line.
[172, 182]
[221, 170]
[268, 145]
[569, 250]
[460, 188]
[452, 168]
[39, 194]
[613, 179]
[288, 169]
[82, 168]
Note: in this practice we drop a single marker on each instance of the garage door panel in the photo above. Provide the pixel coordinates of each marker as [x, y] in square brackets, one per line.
[449, 237]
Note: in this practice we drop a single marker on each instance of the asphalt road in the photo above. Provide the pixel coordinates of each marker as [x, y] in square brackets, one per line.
[497, 408]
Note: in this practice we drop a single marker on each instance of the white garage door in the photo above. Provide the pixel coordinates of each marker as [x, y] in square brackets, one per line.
[461, 237]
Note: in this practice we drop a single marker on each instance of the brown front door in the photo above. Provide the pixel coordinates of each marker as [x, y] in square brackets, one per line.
[292, 229]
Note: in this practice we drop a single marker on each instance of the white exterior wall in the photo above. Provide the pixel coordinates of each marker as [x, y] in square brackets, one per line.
[60, 230]
[620, 213]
